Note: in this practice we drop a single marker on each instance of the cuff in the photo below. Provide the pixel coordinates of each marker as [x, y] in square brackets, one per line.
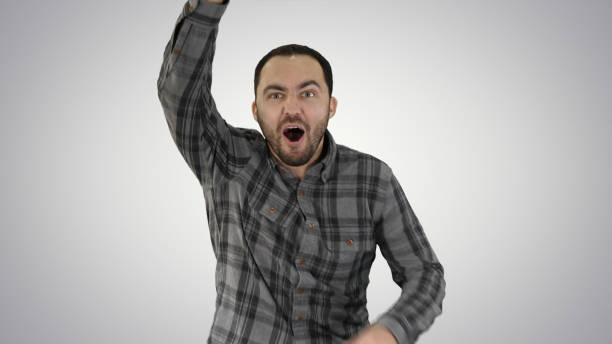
[205, 11]
[399, 331]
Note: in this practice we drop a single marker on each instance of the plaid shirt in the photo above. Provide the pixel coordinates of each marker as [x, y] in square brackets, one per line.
[293, 256]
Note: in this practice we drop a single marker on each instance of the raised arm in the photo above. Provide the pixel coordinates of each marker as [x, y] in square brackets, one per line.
[414, 267]
[212, 148]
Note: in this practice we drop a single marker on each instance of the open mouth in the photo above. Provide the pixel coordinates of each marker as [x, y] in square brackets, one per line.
[293, 133]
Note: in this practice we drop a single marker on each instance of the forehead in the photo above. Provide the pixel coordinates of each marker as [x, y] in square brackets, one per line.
[290, 71]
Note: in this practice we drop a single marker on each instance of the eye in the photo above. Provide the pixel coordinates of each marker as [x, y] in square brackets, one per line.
[275, 96]
[308, 94]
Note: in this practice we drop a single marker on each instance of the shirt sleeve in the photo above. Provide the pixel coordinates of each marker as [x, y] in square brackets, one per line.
[413, 264]
[211, 147]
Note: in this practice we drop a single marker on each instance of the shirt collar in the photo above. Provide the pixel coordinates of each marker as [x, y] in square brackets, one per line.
[329, 160]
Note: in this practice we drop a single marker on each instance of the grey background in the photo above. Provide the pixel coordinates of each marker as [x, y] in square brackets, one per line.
[494, 115]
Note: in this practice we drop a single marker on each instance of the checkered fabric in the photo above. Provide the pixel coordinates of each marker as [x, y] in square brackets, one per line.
[293, 256]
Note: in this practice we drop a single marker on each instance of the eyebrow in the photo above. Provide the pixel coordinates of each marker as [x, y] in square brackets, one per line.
[274, 87]
[308, 83]
[277, 87]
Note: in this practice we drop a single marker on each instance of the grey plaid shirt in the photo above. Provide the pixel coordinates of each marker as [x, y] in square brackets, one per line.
[293, 256]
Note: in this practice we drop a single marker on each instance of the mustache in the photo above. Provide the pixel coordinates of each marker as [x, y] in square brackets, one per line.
[293, 120]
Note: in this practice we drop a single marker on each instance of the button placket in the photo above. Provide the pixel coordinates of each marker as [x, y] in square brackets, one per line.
[308, 253]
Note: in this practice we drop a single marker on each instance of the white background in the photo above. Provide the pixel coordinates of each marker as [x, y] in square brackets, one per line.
[494, 115]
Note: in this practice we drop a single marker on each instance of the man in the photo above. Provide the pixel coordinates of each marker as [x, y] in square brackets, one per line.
[294, 218]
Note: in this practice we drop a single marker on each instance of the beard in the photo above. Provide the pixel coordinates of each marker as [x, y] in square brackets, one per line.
[294, 156]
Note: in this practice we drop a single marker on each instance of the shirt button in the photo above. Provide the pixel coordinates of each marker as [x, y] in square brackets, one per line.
[175, 51]
[311, 225]
[300, 291]
[302, 193]
[349, 242]
[299, 318]
[282, 170]
[272, 209]
[302, 261]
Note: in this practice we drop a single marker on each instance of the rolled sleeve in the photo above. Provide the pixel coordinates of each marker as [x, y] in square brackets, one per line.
[414, 266]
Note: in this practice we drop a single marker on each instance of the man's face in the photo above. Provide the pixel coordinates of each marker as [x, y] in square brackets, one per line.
[292, 107]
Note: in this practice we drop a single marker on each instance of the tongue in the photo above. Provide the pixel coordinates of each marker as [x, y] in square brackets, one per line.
[294, 134]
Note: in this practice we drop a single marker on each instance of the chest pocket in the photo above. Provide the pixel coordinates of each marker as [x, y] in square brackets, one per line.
[268, 215]
[275, 209]
[347, 251]
[348, 241]
[345, 241]
[270, 228]
[347, 237]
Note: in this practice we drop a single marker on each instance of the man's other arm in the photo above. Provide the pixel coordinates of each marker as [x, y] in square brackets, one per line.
[205, 140]
[414, 266]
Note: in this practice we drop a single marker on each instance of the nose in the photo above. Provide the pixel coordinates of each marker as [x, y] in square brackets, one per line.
[292, 105]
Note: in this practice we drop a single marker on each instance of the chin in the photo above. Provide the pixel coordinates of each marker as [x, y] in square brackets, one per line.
[295, 162]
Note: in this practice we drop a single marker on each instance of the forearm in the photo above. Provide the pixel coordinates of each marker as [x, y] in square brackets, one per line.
[414, 265]
[184, 86]
[188, 60]
[418, 305]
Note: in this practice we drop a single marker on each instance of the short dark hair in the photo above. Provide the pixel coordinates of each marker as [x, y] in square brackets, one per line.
[296, 49]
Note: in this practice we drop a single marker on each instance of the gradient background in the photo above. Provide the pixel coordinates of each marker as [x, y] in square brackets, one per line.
[494, 115]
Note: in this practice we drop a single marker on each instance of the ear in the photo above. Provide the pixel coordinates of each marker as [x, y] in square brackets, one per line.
[254, 110]
[333, 103]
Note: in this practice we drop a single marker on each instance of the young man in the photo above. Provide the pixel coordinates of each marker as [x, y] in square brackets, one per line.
[294, 218]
